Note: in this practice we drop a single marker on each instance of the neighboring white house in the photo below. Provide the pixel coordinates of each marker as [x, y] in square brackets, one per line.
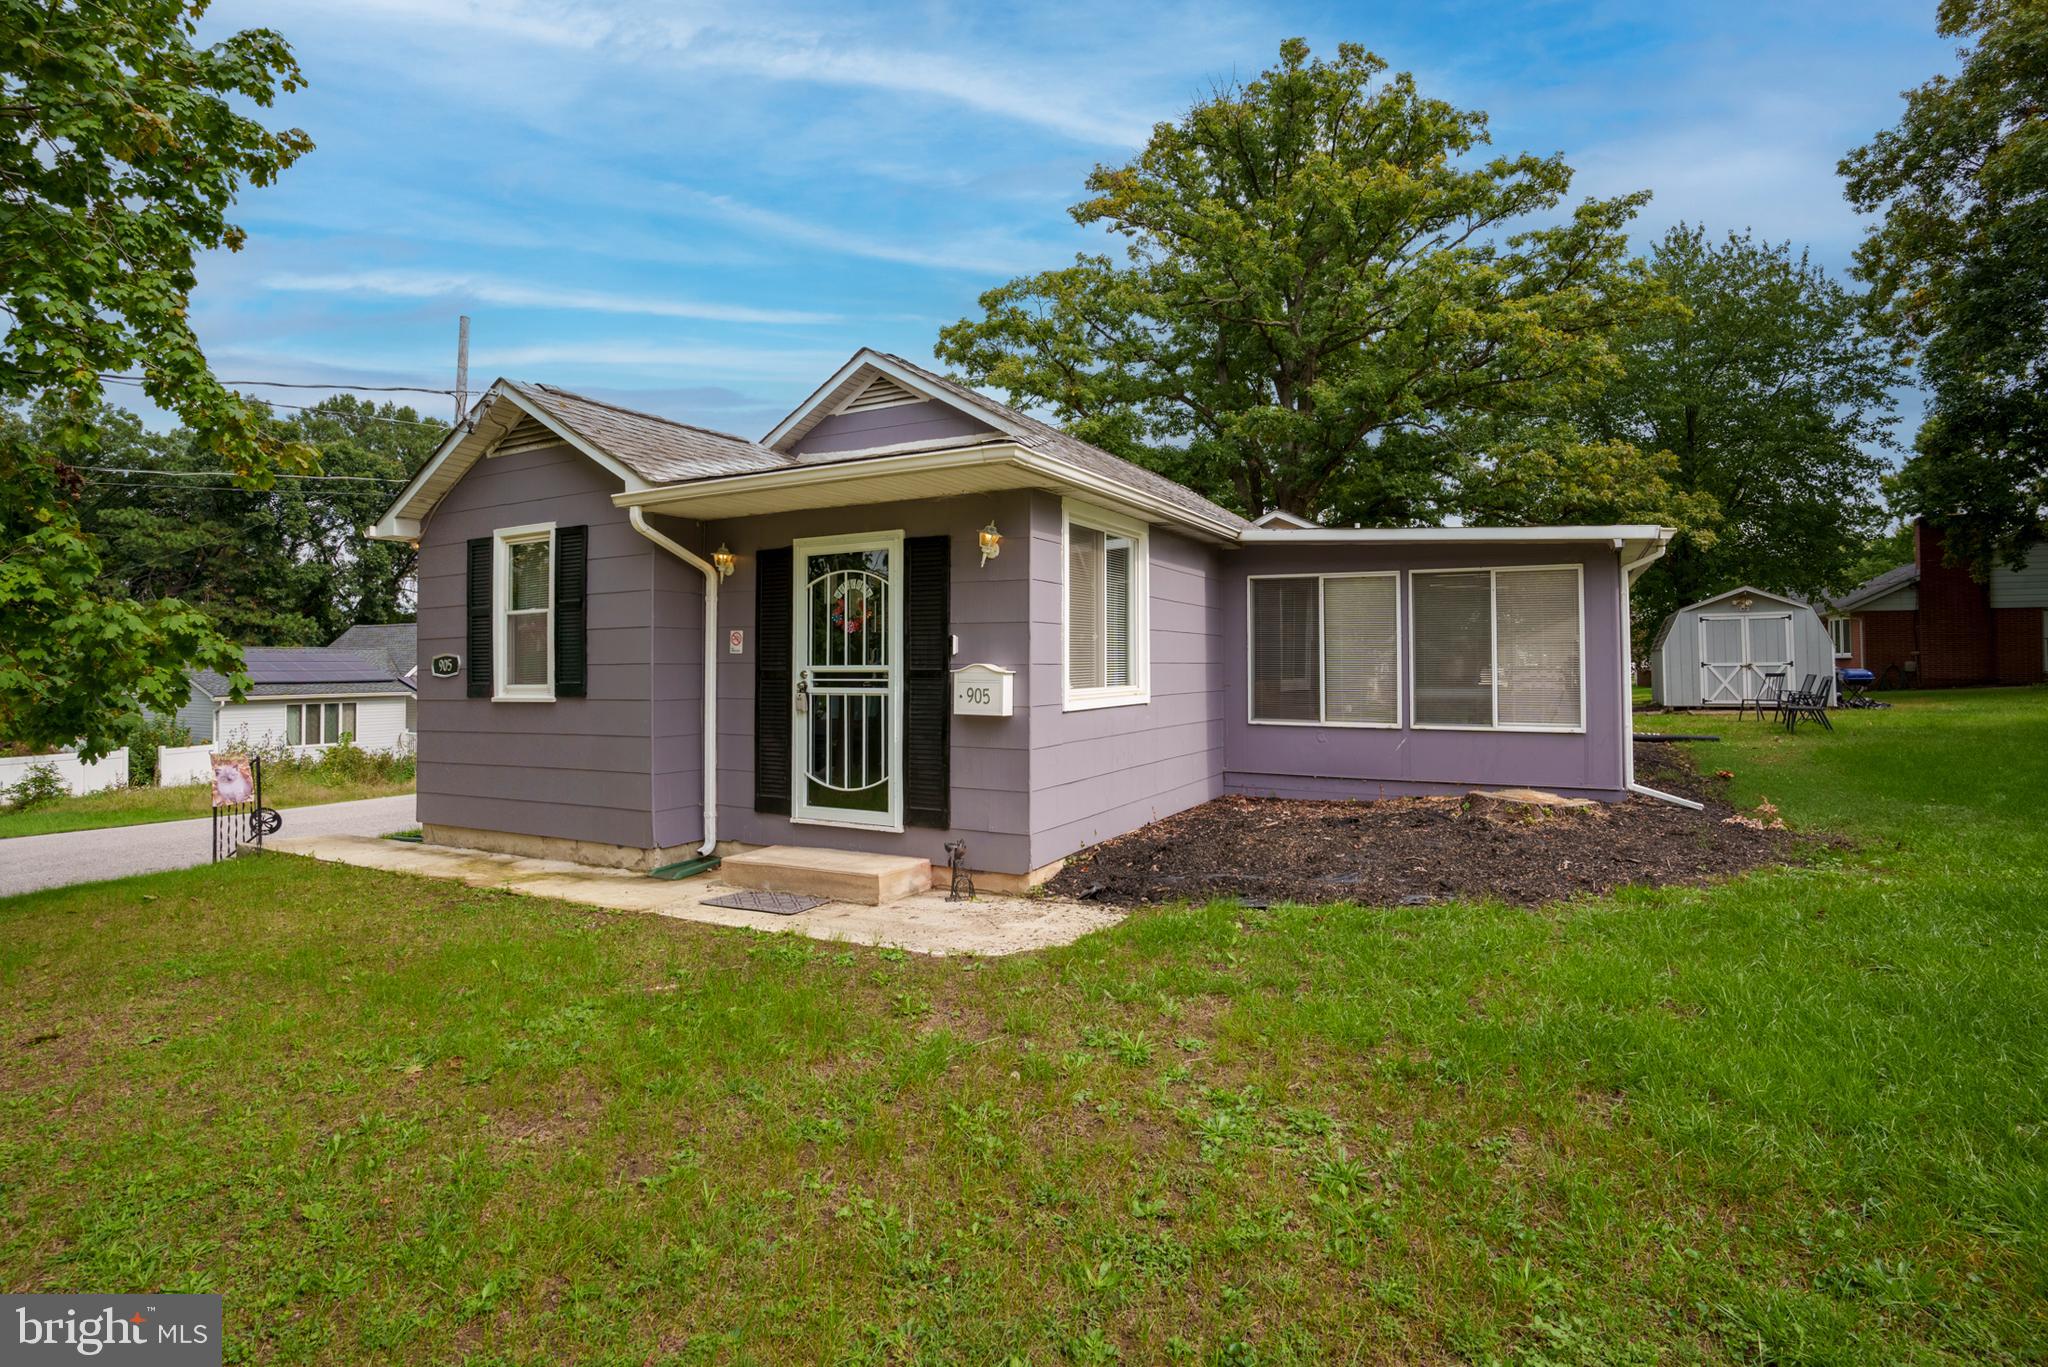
[304, 698]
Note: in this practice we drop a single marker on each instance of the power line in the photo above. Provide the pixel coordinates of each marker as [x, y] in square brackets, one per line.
[309, 408]
[198, 474]
[308, 384]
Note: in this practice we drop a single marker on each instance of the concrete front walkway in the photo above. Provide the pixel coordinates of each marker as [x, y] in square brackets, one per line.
[926, 923]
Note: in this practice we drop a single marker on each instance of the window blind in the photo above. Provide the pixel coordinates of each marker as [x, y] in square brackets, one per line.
[1117, 606]
[1361, 649]
[1538, 641]
[1085, 607]
[1453, 645]
[1285, 642]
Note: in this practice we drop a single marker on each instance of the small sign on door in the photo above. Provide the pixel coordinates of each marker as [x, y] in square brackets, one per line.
[736, 642]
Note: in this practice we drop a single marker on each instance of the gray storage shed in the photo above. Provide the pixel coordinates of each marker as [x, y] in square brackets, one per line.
[1717, 652]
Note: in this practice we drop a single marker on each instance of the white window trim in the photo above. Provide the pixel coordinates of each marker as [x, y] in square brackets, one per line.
[502, 689]
[1322, 654]
[354, 733]
[1848, 630]
[1139, 690]
[1494, 623]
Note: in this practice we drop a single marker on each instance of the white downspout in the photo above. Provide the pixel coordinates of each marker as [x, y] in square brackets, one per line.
[1629, 573]
[711, 577]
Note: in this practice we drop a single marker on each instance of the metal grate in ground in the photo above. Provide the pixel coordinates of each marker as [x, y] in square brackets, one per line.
[779, 903]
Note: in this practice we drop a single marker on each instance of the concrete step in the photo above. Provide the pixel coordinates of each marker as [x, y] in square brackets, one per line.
[841, 875]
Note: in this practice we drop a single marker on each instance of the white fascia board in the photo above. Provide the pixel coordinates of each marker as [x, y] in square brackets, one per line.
[403, 520]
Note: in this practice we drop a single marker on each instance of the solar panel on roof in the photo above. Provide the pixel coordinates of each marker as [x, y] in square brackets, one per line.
[310, 665]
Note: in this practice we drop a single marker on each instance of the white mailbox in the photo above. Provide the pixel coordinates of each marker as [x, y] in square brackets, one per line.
[982, 690]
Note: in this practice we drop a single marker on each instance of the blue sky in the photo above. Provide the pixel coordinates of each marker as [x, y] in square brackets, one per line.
[702, 209]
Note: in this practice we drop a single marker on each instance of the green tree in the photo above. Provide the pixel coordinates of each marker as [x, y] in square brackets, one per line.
[124, 142]
[286, 565]
[1958, 272]
[1775, 404]
[1322, 287]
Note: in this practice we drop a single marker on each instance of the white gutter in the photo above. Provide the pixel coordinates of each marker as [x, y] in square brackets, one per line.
[710, 573]
[1629, 573]
[1454, 536]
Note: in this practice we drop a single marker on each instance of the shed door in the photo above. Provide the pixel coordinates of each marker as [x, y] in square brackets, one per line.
[1723, 660]
[1770, 651]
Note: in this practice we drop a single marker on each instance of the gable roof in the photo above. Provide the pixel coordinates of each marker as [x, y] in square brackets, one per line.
[1877, 586]
[852, 381]
[394, 644]
[644, 451]
[306, 672]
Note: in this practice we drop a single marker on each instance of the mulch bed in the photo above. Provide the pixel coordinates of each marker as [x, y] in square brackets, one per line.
[1411, 851]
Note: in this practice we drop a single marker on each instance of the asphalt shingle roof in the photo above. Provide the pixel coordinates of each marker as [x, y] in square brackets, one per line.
[659, 450]
[663, 451]
[394, 645]
[1879, 585]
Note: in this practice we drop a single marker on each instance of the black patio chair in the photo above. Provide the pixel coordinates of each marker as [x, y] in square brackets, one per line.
[1768, 695]
[1809, 701]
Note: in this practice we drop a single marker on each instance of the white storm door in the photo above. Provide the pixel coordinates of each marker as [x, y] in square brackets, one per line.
[1723, 664]
[848, 643]
[1770, 652]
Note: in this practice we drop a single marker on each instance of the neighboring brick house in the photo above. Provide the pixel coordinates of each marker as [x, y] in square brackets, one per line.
[1930, 624]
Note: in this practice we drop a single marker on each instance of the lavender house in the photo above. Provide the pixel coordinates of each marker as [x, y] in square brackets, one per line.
[910, 614]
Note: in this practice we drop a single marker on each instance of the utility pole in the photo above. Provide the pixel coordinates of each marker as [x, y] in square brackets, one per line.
[462, 368]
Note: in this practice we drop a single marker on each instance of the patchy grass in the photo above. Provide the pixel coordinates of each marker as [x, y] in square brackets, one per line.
[134, 806]
[1798, 1118]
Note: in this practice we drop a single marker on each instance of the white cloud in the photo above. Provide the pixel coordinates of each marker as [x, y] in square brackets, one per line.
[412, 284]
[983, 255]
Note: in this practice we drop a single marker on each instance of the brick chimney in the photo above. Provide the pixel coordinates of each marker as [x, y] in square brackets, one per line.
[1956, 637]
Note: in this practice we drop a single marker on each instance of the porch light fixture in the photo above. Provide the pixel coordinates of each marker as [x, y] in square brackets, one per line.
[991, 542]
[724, 559]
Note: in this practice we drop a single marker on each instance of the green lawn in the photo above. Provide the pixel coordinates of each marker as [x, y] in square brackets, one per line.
[1798, 1119]
[132, 806]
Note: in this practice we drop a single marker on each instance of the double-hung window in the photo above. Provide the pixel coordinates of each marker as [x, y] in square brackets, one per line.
[526, 610]
[1325, 649]
[1107, 662]
[1838, 630]
[1499, 649]
[318, 723]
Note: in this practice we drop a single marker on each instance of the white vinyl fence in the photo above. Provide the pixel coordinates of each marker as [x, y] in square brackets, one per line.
[177, 765]
[110, 771]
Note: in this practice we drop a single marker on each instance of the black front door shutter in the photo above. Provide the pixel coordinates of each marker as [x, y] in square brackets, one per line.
[772, 696]
[482, 559]
[927, 703]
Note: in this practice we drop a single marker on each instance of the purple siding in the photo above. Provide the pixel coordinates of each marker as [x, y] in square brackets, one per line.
[1100, 772]
[893, 426]
[1311, 761]
[575, 768]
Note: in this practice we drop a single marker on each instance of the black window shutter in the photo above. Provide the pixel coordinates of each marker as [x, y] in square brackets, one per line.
[927, 703]
[572, 622]
[481, 562]
[772, 696]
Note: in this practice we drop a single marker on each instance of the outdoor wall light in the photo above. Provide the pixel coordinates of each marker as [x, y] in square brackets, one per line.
[991, 542]
[724, 559]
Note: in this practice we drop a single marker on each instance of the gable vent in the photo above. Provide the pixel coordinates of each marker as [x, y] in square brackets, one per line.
[526, 435]
[882, 392]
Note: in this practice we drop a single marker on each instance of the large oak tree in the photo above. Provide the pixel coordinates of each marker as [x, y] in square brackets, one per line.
[1325, 282]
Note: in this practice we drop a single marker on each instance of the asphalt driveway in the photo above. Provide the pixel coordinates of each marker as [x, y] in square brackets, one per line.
[30, 862]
